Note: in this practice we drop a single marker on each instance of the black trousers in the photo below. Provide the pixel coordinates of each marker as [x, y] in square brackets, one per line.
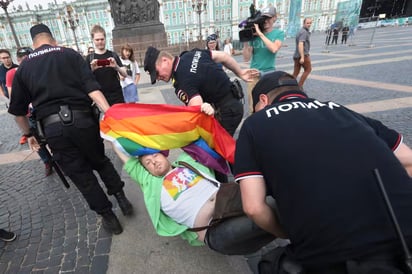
[382, 263]
[79, 149]
[237, 236]
[230, 114]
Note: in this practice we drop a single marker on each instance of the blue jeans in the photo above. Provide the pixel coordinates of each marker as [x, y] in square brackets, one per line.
[130, 93]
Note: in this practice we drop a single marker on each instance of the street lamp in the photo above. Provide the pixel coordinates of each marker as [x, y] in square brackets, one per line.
[4, 4]
[199, 6]
[71, 20]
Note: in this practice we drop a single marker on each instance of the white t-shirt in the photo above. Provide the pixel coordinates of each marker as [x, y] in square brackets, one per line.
[183, 194]
[132, 69]
[228, 48]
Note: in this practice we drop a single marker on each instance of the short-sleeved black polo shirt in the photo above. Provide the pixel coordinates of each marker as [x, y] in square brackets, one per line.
[317, 159]
[195, 73]
[49, 77]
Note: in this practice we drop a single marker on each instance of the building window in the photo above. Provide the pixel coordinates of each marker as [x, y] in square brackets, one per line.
[174, 19]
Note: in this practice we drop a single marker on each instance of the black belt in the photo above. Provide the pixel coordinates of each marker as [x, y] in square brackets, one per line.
[55, 118]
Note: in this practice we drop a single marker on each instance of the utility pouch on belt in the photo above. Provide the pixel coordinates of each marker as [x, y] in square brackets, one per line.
[95, 112]
[40, 132]
[66, 115]
[237, 89]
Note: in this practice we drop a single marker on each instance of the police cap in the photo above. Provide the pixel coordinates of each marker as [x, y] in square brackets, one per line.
[39, 28]
[271, 81]
[150, 62]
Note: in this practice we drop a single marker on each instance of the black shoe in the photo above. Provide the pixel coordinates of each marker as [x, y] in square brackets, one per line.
[124, 204]
[111, 223]
[7, 236]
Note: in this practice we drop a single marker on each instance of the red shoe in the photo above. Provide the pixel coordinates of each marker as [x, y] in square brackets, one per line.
[23, 140]
[48, 169]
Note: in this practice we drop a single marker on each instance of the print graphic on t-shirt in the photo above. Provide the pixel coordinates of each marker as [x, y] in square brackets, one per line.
[180, 180]
[129, 69]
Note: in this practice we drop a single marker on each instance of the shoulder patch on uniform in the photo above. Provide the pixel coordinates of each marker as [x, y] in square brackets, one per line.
[182, 95]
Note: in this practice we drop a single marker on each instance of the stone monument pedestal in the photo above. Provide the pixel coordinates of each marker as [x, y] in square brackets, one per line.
[140, 37]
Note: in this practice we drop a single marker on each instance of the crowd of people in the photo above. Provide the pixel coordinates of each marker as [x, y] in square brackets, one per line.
[304, 169]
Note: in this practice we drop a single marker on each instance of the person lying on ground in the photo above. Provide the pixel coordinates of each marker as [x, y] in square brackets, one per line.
[181, 200]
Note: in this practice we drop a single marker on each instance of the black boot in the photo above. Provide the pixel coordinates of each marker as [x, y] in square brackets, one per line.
[111, 223]
[124, 204]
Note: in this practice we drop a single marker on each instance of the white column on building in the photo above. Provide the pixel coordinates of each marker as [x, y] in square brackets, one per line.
[210, 22]
[161, 12]
[7, 41]
[235, 20]
[87, 29]
[62, 29]
[109, 17]
[186, 6]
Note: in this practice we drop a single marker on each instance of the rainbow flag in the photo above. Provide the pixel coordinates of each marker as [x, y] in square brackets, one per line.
[147, 128]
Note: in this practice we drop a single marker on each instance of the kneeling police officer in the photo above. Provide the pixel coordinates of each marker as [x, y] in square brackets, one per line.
[61, 88]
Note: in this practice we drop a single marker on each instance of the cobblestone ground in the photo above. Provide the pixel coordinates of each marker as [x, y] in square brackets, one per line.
[57, 233]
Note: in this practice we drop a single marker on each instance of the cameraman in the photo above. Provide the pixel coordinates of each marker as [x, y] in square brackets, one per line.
[263, 48]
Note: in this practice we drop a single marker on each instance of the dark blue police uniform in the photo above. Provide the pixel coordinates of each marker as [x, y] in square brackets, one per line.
[328, 200]
[195, 73]
[53, 77]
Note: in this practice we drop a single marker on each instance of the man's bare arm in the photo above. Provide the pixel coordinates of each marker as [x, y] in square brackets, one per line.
[23, 123]
[121, 154]
[301, 51]
[254, 204]
[229, 62]
[98, 97]
[273, 46]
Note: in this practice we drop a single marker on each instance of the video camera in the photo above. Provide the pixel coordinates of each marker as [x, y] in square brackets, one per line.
[248, 27]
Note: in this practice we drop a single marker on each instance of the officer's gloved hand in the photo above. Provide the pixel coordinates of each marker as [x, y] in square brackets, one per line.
[207, 109]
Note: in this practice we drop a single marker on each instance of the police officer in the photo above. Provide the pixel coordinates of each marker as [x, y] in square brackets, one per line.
[197, 78]
[317, 159]
[61, 88]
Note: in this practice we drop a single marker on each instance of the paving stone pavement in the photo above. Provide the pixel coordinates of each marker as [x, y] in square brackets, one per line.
[57, 233]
